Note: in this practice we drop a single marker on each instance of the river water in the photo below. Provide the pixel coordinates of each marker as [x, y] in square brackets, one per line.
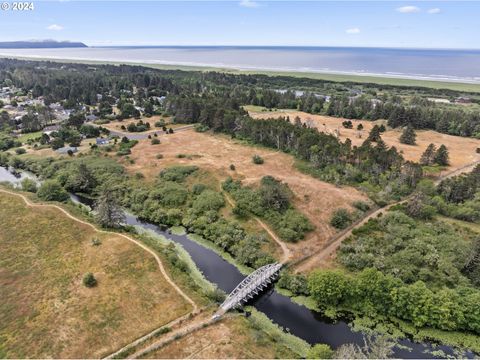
[307, 324]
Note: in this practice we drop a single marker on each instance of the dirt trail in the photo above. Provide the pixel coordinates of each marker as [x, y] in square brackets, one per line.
[174, 335]
[319, 258]
[287, 253]
[136, 242]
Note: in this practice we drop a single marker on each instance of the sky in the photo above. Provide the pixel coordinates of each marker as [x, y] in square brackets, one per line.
[424, 24]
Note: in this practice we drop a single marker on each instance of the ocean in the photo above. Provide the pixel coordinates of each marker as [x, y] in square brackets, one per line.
[445, 65]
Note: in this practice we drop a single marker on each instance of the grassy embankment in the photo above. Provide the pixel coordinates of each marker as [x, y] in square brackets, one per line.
[235, 338]
[120, 309]
[46, 311]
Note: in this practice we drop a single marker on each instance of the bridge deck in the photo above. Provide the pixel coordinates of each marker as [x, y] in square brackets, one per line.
[251, 286]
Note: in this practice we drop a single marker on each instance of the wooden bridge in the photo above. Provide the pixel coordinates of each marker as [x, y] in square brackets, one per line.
[252, 285]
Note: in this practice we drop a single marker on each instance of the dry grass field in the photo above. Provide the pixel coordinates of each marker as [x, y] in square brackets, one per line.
[462, 150]
[46, 311]
[232, 338]
[117, 125]
[214, 154]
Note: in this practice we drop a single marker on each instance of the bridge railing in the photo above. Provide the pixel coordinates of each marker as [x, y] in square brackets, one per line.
[251, 285]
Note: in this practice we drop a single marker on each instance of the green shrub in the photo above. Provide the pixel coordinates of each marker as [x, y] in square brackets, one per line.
[296, 283]
[320, 351]
[57, 143]
[177, 173]
[159, 156]
[208, 200]
[216, 295]
[257, 159]
[361, 205]
[164, 330]
[374, 294]
[89, 280]
[51, 190]
[155, 141]
[201, 128]
[29, 185]
[341, 218]
[20, 151]
[197, 189]
[232, 167]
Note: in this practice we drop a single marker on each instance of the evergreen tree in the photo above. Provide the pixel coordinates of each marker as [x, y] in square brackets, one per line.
[374, 134]
[81, 180]
[441, 156]
[408, 136]
[428, 156]
[108, 212]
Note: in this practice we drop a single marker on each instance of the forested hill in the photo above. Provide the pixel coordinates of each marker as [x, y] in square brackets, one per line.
[40, 44]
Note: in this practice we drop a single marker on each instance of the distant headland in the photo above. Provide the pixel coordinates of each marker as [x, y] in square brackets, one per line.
[40, 44]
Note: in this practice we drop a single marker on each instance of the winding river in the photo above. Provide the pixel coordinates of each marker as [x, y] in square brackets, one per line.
[307, 324]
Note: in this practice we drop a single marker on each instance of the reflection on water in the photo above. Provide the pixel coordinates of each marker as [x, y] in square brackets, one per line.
[13, 176]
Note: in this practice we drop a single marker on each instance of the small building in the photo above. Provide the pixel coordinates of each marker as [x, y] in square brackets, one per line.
[56, 106]
[51, 128]
[67, 149]
[439, 100]
[463, 100]
[102, 141]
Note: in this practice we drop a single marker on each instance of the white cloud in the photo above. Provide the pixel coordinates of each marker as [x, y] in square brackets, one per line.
[434, 11]
[249, 4]
[408, 9]
[55, 27]
[353, 31]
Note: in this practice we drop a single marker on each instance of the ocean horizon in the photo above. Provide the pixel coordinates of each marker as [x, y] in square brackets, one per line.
[455, 65]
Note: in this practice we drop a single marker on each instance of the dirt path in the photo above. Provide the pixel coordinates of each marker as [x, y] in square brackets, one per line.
[319, 258]
[136, 242]
[287, 253]
[174, 335]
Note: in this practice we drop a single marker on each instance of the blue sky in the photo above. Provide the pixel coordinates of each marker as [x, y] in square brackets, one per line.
[425, 24]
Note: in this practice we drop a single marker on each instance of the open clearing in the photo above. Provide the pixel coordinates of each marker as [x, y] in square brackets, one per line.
[214, 153]
[231, 338]
[117, 124]
[46, 311]
[462, 150]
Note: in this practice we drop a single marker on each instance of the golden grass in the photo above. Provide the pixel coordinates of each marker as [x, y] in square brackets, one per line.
[462, 150]
[45, 311]
[214, 154]
[231, 338]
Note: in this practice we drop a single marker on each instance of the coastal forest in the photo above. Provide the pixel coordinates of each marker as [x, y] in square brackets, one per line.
[406, 260]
